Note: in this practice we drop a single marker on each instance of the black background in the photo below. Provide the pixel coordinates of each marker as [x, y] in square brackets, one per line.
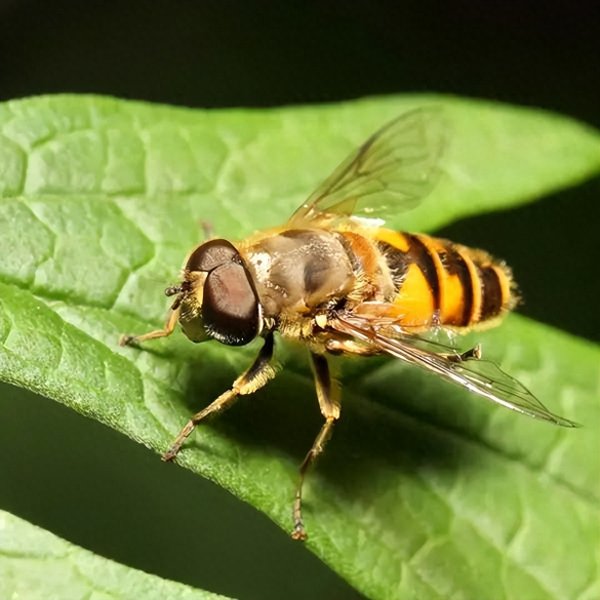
[111, 495]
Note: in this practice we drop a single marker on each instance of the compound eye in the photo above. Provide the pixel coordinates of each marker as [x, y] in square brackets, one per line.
[210, 255]
[230, 307]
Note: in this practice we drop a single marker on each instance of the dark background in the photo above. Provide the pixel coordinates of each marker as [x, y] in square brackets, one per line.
[113, 496]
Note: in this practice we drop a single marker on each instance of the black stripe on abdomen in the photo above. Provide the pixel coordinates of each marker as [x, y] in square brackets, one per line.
[420, 254]
[396, 261]
[491, 300]
[455, 264]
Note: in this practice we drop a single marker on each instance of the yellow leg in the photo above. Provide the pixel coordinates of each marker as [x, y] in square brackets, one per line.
[129, 340]
[351, 347]
[249, 382]
[471, 354]
[328, 394]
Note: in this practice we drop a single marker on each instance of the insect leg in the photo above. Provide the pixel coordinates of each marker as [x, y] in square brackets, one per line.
[128, 340]
[261, 371]
[328, 394]
[471, 354]
[351, 347]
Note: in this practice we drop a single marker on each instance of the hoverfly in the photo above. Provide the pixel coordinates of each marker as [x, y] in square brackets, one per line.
[342, 284]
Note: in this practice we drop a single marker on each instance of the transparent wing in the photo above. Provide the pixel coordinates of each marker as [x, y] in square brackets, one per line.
[481, 377]
[391, 172]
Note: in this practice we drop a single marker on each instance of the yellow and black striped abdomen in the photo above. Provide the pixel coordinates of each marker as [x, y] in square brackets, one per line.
[438, 282]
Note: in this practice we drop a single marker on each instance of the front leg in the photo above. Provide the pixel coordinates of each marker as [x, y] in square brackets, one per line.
[261, 371]
[167, 330]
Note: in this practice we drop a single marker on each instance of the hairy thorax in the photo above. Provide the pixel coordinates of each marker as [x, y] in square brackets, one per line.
[299, 271]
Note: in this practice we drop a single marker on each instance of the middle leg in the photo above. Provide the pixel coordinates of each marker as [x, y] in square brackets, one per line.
[328, 393]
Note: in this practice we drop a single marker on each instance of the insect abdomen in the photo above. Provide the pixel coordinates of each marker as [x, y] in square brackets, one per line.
[438, 282]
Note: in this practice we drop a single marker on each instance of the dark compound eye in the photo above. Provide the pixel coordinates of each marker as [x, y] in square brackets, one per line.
[210, 255]
[230, 307]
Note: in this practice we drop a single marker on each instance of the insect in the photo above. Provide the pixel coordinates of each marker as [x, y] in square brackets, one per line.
[340, 283]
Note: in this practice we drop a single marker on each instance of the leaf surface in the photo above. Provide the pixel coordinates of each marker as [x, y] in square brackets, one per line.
[425, 491]
[36, 564]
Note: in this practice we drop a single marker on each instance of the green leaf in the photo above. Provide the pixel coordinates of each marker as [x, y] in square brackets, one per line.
[36, 564]
[425, 491]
